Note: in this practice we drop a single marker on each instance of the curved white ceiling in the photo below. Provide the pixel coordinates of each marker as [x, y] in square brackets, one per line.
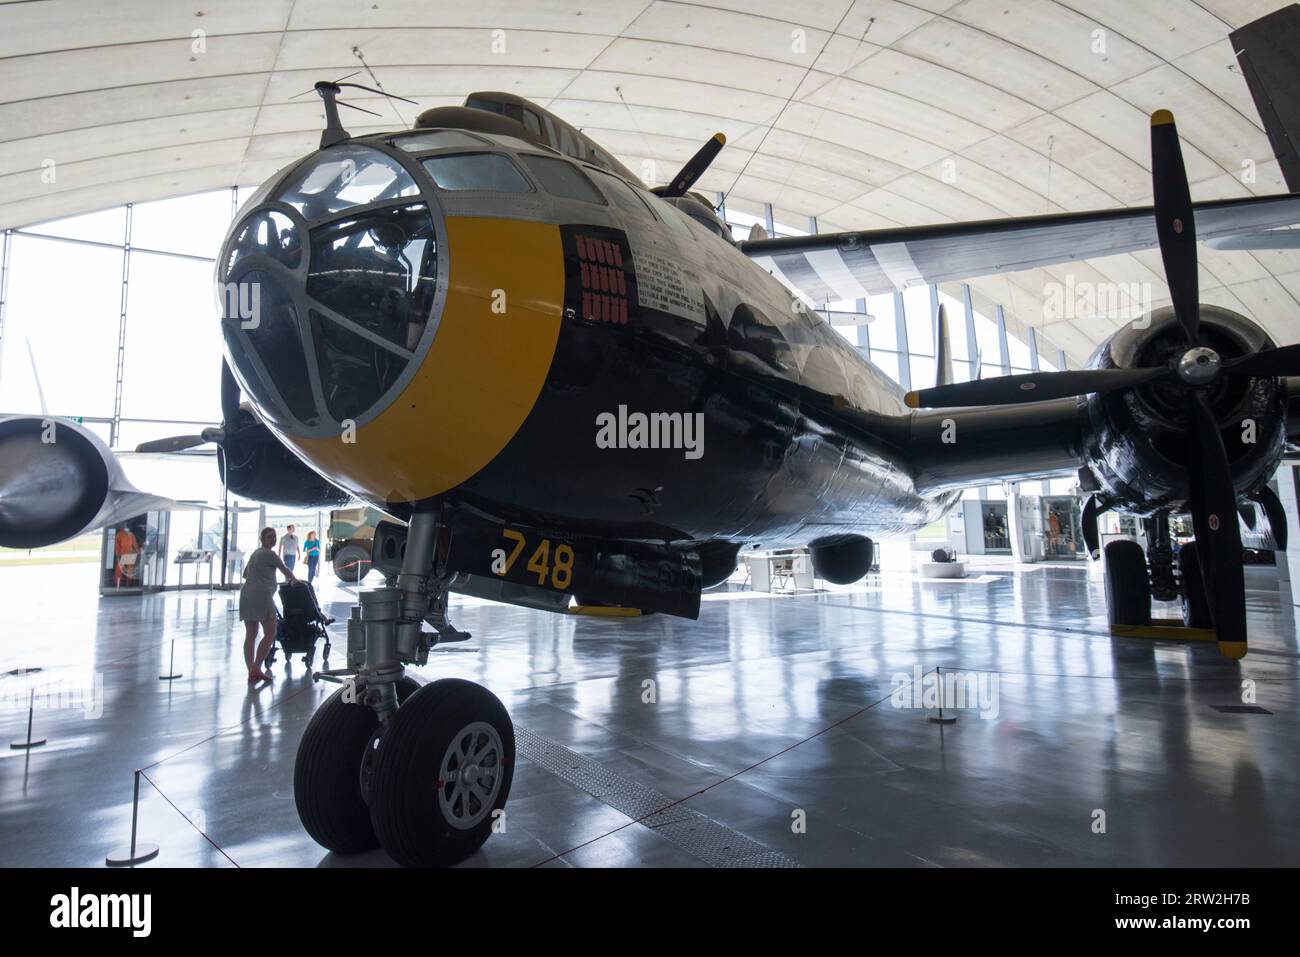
[863, 113]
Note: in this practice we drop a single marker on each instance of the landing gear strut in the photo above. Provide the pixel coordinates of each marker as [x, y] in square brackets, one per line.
[1160, 558]
[423, 772]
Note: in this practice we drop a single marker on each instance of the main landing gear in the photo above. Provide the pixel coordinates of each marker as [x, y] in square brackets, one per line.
[1134, 578]
[423, 772]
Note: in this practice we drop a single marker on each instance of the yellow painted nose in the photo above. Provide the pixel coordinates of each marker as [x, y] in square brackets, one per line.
[480, 378]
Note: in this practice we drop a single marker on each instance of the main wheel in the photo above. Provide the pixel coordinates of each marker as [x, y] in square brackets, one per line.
[327, 773]
[351, 563]
[1128, 589]
[440, 770]
[1196, 604]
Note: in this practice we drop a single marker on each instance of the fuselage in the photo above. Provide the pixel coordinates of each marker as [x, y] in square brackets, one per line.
[594, 357]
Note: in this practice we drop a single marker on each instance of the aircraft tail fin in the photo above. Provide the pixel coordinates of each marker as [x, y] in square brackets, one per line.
[943, 351]
[1268, 50]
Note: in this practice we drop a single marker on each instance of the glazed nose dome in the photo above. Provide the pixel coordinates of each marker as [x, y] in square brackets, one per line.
[327, 286]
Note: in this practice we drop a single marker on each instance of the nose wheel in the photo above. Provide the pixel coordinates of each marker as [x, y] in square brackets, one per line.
[441, 774]
[329, 770]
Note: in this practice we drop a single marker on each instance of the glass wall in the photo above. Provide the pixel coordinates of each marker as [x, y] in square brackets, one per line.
[111, 317]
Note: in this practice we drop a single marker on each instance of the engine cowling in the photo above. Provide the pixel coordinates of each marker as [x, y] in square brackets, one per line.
[258, 467]
[1138, 445]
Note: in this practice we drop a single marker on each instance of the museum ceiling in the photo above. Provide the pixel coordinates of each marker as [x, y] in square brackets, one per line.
[872, 115]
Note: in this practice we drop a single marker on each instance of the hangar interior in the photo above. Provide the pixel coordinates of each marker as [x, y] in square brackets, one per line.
[788, 726]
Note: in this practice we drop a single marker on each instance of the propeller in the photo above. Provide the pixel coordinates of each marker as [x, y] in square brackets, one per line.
[1212, 498]
[1275, 513]
[694, 168]
[214, 434]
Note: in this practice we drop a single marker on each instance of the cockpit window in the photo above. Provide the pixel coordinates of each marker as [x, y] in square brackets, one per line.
[346, 176]
[276, 338]
[438, 140]
[623, 196]
[376, 272]
[486, 171]
[268, 233]
[561, 178]
[328, 289]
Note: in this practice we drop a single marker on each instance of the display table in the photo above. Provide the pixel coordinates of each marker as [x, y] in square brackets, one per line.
[943, 569]
[195, 557]
[779, 570]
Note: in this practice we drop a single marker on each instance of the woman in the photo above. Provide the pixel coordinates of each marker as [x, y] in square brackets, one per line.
[312, 549]
[257, 603]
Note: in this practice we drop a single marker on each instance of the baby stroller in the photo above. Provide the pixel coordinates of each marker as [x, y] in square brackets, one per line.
[301, 625]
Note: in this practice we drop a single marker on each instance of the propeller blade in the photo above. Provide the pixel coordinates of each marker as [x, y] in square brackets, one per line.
[1270, 362]
[1175, 223]
[1030, 387]
[695, 167]
[1091, 536]
[229, 394]
[173, 443]
[1275, 513]
[1218, 536]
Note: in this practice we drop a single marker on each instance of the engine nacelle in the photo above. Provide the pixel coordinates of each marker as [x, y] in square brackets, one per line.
[1138, 438]
[260, 468]
[842, 559]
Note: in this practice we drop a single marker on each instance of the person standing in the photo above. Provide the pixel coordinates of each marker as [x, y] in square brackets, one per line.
[311, 548]
[257, 604]
[289, 548]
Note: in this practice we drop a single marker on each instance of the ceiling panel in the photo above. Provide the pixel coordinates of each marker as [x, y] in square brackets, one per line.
[866, 114]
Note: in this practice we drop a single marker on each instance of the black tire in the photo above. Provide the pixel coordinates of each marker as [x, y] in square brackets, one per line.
[408, 804]
[327, 773]
[1128, 587]
[1196, 604]
[351, 563]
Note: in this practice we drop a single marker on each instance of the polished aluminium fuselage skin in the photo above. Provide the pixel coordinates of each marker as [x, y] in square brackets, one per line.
[642, 309]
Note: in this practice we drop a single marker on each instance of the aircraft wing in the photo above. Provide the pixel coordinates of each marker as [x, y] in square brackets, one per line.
[853, 265]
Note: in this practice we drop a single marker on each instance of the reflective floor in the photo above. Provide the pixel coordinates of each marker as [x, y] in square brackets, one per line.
[790, 730]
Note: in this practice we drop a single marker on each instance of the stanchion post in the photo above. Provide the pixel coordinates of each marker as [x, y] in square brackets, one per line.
[135, 854]
[28, 744]
[941, 718]
[171, 666]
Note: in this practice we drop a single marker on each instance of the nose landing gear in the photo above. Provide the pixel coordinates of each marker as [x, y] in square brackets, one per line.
[423, 772]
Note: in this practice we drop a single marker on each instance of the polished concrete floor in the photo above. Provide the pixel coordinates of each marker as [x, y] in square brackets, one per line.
[771, 716]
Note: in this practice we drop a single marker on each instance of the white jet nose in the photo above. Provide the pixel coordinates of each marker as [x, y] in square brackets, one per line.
[53, 482]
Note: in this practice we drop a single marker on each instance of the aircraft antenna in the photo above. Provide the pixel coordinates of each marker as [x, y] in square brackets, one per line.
[328, 91]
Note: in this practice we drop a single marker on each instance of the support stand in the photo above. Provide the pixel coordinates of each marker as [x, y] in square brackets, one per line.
[941, 718]
[136, 853]
[171, 666]
[29, 743]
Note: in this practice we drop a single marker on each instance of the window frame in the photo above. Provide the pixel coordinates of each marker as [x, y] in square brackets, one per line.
[527, 180]
[576, 167]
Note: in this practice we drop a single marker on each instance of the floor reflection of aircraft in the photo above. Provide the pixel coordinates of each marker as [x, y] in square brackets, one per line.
[572, 388]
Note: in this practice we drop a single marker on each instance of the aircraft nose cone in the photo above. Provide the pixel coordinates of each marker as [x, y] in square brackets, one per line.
[52, 482]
